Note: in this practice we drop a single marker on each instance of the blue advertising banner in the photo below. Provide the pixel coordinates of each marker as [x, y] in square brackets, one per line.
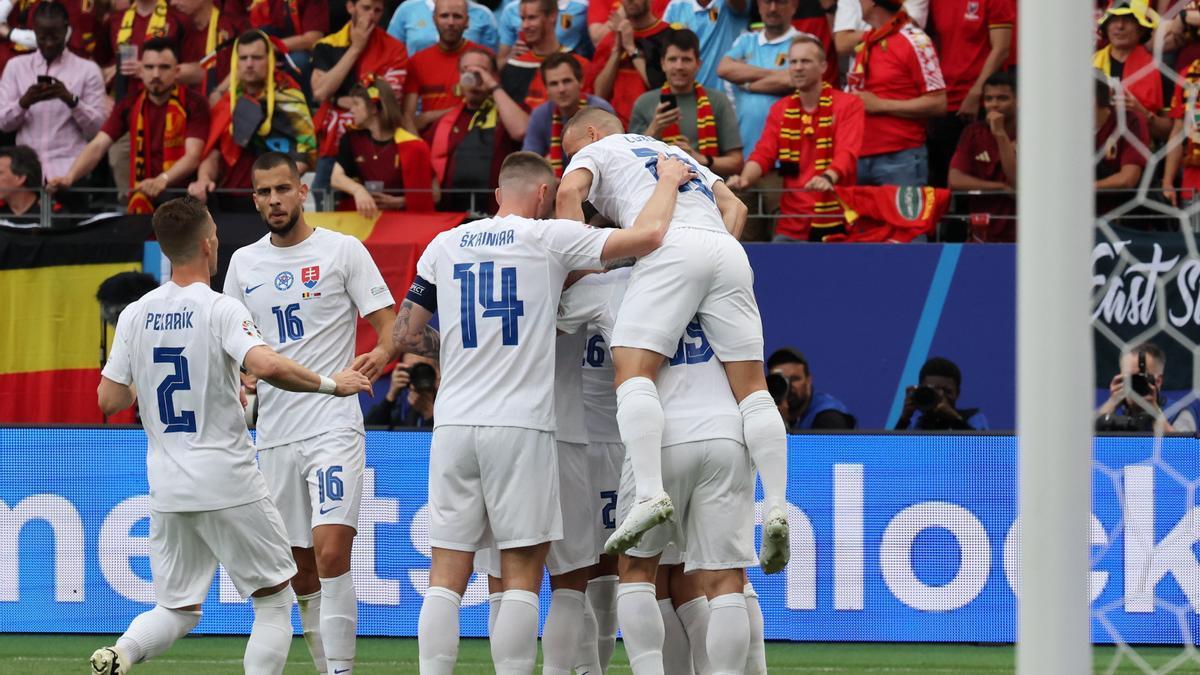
[895, 538]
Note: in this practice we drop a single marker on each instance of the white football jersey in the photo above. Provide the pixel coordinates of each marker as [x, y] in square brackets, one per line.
[498, 283]
[624, 175]
[697, 402]
[181, 347]
[599, 398]
[568, 389]
[307, 299]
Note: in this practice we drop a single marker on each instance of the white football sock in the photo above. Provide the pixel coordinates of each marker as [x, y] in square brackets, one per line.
[766, 439]
[587, 653]
[514, 644]
[154, 631]
[693, 614]
[339, 622]
[493, 610]
[640, 419]
[642, 628]
[602, 596]
[310, 624]
[728, 634]
[437, 631]
[756, 661]
[561, 634]
[271, 634]
[677, 652]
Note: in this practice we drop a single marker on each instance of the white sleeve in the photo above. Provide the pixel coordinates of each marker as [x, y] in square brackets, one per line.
[918, 10]
[232, 286]
[234, 327]
[580, 305]
[587, 158]
[364, 283]
[573, 245]
[848, 17]
[708, 177]
[118, 367]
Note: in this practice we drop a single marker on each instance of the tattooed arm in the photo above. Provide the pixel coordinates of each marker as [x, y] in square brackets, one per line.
[412, 334]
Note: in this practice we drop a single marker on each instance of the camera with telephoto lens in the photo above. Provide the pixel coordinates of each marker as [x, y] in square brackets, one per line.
[421, 377]
[926, 398]
[1139, 422]
[777, 386]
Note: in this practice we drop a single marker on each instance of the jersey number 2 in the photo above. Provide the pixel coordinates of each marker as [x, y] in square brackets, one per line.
[508, 307]
[175, 421]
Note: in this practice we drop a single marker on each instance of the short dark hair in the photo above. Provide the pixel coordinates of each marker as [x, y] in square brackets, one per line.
[562, 59]
[941, 367]
[52, 10]
[251, 36]
[683, 40]
[891, 5]
[481, 50]
[161, 44]
[1002, 78]
[523, 165]
[273, 160]
[1152, 350]
[546, 7]
[179, 227]
[786, 355]
[24, 162]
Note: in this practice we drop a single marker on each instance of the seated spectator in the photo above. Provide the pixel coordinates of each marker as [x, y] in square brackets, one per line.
[169, 124]
[431, 86]
[521, 76]
[628, 60]
[564, 84]
[757, 67]
[410, 398]
[265, 111]
[814, 135]
[378, 159]
[1120, 164]
[571, 29]
[472, 140]
[898, 78]
[802, 407]
[120, 41]
[936, 398]
[20, 187]
[686, 114]
[1141, 376]
[298, 24]
[987, 156]
[361, 51]
[1128, 26]
[412, 24]
[205, 55]
[717, 23]
[52, 98]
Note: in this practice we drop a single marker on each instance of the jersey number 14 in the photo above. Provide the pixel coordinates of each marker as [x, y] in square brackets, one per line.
[507, 307]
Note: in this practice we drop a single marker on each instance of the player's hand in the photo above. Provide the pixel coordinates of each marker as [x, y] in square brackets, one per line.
[199, 189]
[365, 204]
[673, 170]
[663, 118]
[371, 363]
[350, 382]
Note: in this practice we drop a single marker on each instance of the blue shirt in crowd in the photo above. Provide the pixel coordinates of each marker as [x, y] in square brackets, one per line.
[412, 24]
[754, 49]
[717, 26]
[572, 25]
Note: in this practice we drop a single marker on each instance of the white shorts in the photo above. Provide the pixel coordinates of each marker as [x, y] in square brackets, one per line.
[316, 481]
[185, 547]
[709, 483]
[696, 273]
[577, 549]
[605, 460]
[493, 484]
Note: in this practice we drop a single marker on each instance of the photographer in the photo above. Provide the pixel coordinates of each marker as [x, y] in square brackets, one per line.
[936, 397]
[409, 401]
[1142, 370]
[791, 384]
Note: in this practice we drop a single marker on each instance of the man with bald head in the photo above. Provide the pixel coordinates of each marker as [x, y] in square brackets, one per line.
[432, 85]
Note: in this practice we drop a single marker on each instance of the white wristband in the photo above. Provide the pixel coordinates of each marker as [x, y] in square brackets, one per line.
[327, 386]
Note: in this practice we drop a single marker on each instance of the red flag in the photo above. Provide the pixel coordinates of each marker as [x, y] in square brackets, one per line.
[891, 213]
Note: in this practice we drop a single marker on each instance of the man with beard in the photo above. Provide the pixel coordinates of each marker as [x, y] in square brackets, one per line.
[304, 287]
[169, 124]
[802, 407]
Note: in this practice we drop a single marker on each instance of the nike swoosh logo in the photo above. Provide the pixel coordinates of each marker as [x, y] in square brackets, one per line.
[325, 510]
[250, 289]
[339, 671]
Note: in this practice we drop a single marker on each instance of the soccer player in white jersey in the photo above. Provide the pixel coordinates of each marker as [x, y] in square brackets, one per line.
[493, 470]
[180, 347]
[701, 270]
[305, 288]
[707, 472]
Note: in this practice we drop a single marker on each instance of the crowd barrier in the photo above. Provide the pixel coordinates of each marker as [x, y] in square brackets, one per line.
[895, 538]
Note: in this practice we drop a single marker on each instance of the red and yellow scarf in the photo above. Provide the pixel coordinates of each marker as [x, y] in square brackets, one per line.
[173, 143]
[157, 27]
[706, 124]
[1191, 104]
[800, 127]
[874, 37]
[556, 130]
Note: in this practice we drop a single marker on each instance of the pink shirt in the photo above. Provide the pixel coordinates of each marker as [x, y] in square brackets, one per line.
[55, 131]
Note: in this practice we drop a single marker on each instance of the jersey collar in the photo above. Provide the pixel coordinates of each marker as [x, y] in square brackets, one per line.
[787, 36]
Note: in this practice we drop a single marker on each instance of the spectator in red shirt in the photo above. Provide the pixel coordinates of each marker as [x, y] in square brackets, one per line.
[986, 158]
[521, 76]
[210, 28]
[1127, 26]
[1121, 163]
[1184, 145]
[299, 23]
[628, 61]
[379, 158]
[120, 42]
[169, 124]
[973, 39]
[605, 16]
[814, 135]
[897, 75]
[431, 85]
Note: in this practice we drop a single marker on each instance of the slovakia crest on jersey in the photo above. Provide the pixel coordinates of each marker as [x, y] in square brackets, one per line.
[309, 276]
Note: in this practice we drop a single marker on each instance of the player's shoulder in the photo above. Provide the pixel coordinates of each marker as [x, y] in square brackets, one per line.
[252, 251]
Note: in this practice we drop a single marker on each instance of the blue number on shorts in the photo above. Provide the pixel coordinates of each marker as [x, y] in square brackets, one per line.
[329, 486]
[606, 514]
[290, 326]
[508, 307]
[696, 184]
[183, 420]
[594, 355]
[693, 347]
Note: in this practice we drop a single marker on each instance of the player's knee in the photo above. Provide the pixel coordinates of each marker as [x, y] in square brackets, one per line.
[333, 563]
